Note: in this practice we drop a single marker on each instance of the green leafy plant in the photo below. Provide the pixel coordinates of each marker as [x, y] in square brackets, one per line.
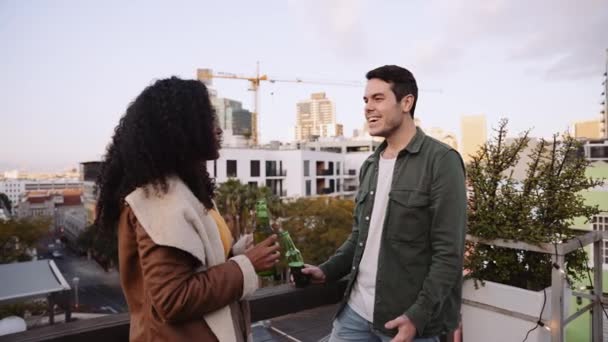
[538, 209]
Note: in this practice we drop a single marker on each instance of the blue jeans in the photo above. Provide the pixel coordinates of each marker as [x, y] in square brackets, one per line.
[349, 326]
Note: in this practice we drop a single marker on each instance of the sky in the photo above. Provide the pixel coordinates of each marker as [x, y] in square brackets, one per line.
[70, 68]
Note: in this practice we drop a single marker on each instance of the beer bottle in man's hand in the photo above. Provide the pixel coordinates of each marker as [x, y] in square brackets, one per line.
[294, 259]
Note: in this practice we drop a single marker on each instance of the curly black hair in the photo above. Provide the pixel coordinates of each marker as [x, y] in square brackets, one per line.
[168, 130]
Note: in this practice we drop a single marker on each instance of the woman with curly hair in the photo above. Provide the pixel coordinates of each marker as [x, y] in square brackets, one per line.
[182, 278]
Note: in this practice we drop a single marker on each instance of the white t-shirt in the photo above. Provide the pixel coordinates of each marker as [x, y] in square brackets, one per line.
[363, 294]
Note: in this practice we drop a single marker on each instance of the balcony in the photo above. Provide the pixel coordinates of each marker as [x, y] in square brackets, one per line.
[267, 304]
[324, 191]
[275, 173]
[350, 188]
[325, 172]
[274, 303]
[351, 173]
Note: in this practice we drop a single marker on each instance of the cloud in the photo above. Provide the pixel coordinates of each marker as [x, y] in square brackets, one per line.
[560, 39]
[337, 24]
[553, 39]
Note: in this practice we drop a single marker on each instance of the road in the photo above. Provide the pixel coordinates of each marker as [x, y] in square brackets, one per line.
[98, 291]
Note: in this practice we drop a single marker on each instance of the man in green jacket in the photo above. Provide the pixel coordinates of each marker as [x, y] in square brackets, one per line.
[404, 256]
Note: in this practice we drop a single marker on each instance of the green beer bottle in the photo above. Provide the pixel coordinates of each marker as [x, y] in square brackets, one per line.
[262, 231]
[294, 259]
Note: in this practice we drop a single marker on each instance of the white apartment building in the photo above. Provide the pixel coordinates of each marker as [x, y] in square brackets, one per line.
[16, 188]
[13, 188]
[289, 173]
[327, 167]
[72, 220]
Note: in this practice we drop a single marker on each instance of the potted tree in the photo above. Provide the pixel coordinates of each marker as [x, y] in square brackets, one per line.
[538, 207]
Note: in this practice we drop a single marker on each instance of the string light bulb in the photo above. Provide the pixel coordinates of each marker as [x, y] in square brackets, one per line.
[542, 324]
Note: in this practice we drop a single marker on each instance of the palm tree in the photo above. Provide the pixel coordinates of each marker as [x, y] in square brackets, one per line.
[236, 203]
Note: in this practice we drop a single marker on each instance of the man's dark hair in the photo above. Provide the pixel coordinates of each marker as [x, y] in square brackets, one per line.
[402, 82]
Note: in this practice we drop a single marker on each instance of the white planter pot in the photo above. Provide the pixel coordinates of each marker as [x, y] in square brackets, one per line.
[482, 324]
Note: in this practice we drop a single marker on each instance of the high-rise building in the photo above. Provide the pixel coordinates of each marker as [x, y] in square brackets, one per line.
[241, 122]
[316, 117]
[473, 134]
[591, 129]
[233, 119]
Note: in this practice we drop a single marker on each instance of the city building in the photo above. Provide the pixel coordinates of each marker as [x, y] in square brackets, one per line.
[70, 214]
[16, 188]
[329, 166]
[289, 173]
[445, 137]
[591, 129]
[234, 120]
[88, 176]
[316, 117]
[473, 134]
[36, 204]
[63, 207]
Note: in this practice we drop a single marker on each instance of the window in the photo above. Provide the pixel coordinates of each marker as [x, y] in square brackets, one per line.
[600, 223]
[306, 168]
[253, 185]
[231, 168]
[271, 168]
[598, 152]
[276, 186]
[255, 168]
[338, 169]
[350, 149]
[308, 188]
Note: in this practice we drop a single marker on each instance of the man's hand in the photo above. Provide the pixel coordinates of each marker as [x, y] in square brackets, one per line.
[407, 329]
[316, 275]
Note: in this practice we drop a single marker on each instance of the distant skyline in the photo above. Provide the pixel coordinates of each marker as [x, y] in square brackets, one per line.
[70, 68]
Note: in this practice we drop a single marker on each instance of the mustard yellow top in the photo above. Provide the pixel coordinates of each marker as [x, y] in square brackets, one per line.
[225, 233]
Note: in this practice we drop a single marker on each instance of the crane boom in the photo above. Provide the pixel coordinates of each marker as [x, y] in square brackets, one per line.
[207, 75]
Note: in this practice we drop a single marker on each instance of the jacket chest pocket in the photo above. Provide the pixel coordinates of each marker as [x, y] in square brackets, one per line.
[409, 215]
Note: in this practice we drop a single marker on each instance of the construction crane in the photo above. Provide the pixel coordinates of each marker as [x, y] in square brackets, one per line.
[207, 75]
